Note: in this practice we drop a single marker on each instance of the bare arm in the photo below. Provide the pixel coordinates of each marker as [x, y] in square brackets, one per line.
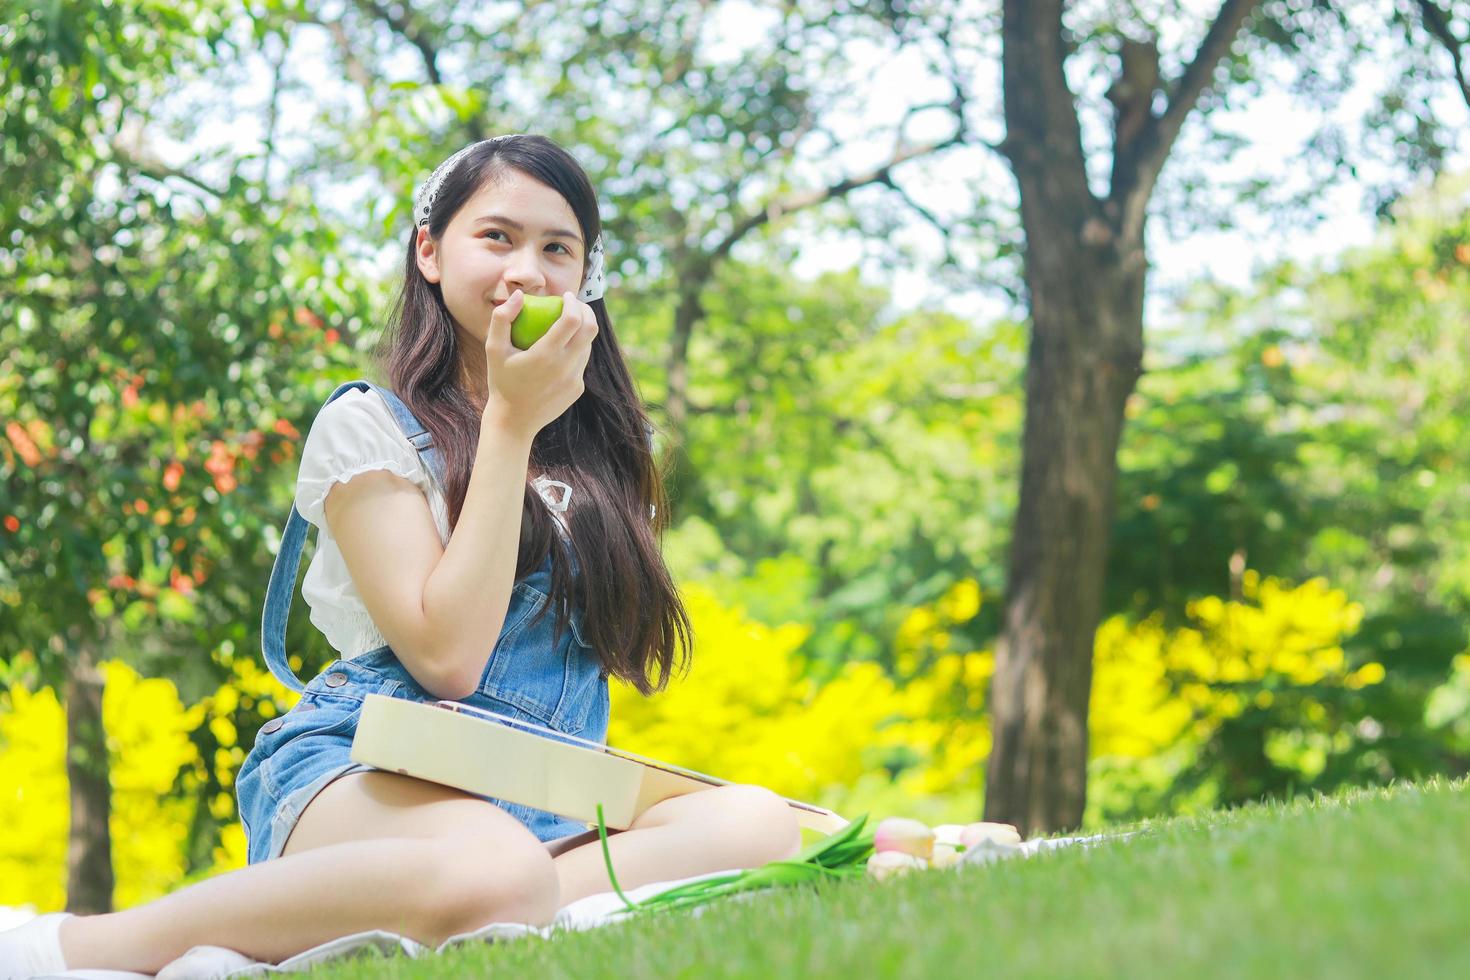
[441, 608]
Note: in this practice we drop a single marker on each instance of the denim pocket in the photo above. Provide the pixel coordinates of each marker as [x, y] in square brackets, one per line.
[347, 681]
[325, 717]
[585, 650]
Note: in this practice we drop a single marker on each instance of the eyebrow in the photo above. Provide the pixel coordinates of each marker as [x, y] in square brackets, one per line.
[485, 219]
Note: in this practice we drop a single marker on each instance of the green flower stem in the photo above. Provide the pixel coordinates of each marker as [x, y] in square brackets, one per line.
[694, 886]
[607, 859]
[839, 855]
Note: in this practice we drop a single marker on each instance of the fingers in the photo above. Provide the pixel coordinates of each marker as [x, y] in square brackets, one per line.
[586, 329]
[572, 333]
[583, 330]
[559, 337]
[577, 323]
[551, 369]
[498, 338]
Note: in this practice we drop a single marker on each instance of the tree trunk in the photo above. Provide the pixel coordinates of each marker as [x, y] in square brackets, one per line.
[1085, 358]
[89, 881]
[694, 274]
[1085, 273]
[681, 477]
[1085, 268]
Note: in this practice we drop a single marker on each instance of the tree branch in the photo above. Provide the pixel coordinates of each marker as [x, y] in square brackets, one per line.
[1437, 23]
[944, 231]
[797, 202]
[350, 61]
[398, 15]
[133, 153]
[273, 112]
[398, 21]
[1131, 191]
[950, 68]
[1043, 141]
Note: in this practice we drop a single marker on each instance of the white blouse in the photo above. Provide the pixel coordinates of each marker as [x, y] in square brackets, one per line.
[351, 435]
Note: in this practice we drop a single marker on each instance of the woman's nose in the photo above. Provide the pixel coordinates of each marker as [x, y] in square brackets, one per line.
[524, 272]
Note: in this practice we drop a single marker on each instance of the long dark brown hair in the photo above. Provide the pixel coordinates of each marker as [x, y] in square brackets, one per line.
[632, 615]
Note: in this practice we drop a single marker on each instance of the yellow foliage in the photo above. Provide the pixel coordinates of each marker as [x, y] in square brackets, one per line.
[148, 743]
[148, 748]
[911, 743]
[1133, 711]
[1369, 673]
[866, 741]
[746, 712]
[33, 801]
[1152, 686]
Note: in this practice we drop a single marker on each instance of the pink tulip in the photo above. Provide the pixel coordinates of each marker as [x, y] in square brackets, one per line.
[904, 836]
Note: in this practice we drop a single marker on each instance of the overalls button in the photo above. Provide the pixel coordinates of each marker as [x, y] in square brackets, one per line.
[271, 726]
[336, 679]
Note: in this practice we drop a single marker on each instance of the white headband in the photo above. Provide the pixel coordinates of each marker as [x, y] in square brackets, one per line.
[593, 284]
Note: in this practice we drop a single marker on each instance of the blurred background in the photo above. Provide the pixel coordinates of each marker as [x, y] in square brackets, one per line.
[1113, 360]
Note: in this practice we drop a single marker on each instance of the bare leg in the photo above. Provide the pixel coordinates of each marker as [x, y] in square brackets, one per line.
[736, 826]
[372, 851]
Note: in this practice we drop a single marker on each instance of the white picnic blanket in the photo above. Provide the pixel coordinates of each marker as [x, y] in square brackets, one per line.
[212, 962]
[215, 962]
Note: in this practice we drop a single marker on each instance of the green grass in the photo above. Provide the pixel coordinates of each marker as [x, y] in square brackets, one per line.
[1370, 883]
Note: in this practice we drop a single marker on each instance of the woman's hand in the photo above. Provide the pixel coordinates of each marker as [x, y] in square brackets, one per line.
[529, 389]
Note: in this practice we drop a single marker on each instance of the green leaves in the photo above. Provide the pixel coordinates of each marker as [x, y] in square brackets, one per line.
[847, 847]
[840, 855]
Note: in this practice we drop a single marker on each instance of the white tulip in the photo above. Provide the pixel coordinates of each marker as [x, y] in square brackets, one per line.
[945, 855]
[986, 851]
[887, 864]
[948, 833]
[1000, 833]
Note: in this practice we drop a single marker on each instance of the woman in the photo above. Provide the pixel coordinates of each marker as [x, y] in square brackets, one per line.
[487, 486]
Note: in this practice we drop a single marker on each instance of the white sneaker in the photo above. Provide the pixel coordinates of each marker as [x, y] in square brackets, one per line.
[33, 949]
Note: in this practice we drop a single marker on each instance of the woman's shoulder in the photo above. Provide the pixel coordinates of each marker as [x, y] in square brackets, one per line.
[353, 433]
[357, 418]
[355, 405]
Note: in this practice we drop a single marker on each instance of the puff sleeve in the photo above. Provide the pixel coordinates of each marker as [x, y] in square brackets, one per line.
[351, 435]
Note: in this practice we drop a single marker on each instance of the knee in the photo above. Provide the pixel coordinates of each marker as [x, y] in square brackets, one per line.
[772, 829]
[477, 885]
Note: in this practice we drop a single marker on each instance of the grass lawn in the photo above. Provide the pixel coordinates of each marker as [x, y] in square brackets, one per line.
[1370, 883]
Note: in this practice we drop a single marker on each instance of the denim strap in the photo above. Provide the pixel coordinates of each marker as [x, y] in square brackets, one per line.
[282, 587]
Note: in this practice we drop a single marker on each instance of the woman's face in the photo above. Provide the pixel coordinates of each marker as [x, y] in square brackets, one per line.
[514, 233]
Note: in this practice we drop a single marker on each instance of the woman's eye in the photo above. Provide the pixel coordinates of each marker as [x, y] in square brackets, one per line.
[559, 245]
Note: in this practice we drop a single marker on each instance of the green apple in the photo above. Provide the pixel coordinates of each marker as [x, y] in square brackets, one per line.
[537, 315]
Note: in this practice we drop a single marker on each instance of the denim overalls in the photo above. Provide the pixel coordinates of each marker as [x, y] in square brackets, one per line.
[560, 685]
